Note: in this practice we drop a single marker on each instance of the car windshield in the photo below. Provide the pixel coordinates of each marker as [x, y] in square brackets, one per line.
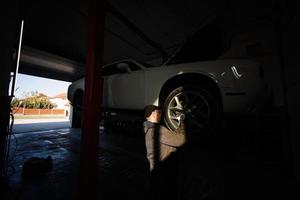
[147, 65]
[113, 69]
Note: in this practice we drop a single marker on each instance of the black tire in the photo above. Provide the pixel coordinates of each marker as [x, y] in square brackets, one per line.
[77, 110]
[200, 108]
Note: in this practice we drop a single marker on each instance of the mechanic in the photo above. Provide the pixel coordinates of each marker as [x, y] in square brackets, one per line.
[169, 141]
[162, 153]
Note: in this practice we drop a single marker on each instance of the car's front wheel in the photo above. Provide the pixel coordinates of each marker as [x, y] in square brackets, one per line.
[197, 105]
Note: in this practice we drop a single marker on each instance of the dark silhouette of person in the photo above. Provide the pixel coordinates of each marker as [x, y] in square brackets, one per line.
[162, 145]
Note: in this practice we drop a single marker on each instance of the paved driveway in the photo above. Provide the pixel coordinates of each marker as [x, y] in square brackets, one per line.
[30, 125]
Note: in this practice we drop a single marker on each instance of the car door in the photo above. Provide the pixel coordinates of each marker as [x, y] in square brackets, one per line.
[128, 88]
[109, 74]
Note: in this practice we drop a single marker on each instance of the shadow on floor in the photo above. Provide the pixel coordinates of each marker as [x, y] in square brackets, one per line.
[232, 165]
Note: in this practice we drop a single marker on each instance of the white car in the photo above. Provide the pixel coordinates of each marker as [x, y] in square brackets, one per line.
[200, 91]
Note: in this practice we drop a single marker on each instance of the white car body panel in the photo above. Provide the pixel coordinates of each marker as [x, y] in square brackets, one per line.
[239, 82]
[125, 91]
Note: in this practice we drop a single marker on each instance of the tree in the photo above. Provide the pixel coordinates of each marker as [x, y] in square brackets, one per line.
[32, 100]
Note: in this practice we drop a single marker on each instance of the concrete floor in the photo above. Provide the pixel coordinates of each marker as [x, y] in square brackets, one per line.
[231, 165]
[39, 124]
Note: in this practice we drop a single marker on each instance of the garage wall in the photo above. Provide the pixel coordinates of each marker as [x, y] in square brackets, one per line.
[250, 31]
[8, 21]
[258, 40]
[269, 33]
[291, 47]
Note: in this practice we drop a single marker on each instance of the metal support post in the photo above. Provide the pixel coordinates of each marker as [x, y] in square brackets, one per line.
[92, 101]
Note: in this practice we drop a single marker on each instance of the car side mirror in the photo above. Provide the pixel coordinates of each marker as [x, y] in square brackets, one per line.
[124, 67]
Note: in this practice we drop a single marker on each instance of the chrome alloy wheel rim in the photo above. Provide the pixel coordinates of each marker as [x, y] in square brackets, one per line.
[190, 105]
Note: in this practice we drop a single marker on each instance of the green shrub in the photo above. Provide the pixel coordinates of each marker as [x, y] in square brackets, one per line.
[39, 102]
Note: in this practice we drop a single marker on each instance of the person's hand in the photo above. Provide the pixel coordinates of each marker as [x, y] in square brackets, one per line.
[181, 127]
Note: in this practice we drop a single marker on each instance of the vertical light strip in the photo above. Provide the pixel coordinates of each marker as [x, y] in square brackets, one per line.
[18, 59]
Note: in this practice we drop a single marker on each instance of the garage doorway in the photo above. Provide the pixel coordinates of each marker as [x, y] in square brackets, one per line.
[39, 104]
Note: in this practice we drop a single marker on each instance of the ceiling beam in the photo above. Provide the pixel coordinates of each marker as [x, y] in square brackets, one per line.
[135, 29]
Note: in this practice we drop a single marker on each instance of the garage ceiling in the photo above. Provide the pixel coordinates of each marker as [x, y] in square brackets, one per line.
[55, 32]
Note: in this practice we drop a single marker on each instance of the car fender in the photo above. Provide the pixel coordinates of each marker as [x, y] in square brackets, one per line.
[75, 86]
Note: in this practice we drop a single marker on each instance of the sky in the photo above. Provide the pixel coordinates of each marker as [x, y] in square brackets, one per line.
[49, 87]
